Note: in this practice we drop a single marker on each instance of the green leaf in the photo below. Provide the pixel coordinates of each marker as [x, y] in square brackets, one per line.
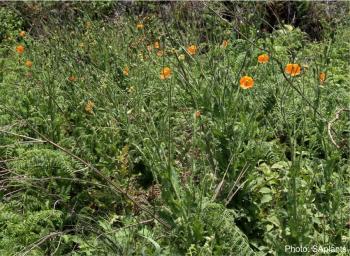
[269, 227]
[274, 220]
[266, 198]
[265, 169]
[279, 165]
[155, 244]
[265, 190]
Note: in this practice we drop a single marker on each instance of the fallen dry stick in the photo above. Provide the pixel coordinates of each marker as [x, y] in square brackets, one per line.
[330, 123]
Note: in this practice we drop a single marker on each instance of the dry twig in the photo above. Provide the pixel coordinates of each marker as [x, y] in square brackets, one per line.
[330, 123]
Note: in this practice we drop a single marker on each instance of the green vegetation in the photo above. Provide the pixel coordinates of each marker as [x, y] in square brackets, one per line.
[127, 129]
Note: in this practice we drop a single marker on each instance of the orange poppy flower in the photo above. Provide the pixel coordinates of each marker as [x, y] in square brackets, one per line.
[22, 34]
[292, 69]
[126, 71]
[72, 78]
[20, 49]
[224, 44]
[246, 82]
[197, 114]
[192, 49]
[28, 64]
[322, 77]
[263, 58]
[156, 45]
[165, 73]
[89, 107]
[140, 26]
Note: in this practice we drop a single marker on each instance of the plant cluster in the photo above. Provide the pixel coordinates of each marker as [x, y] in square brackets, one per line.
[183, 134]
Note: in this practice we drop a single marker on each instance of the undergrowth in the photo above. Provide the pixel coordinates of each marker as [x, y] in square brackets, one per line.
[130, 131]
